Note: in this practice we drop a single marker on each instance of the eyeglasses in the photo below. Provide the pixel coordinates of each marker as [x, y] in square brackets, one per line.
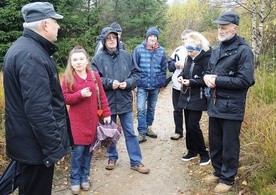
[111, 37]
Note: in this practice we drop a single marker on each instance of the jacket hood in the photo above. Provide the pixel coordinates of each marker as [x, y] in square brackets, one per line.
[106, 31]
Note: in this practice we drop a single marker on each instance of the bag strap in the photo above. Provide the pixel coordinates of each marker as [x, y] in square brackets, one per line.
[97, 90]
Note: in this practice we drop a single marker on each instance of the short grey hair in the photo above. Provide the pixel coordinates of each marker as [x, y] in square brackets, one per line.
[33, 25]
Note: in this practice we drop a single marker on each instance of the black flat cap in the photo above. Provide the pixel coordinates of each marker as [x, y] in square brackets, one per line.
[227, 18]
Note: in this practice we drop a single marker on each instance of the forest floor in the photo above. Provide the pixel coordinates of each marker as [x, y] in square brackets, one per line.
[168, 174]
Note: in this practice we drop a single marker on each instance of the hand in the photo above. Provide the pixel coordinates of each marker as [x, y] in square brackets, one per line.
[115, 84]
[179, 79]
[123, 85]
[85, 92]
[186, 82]
[107, 120]
[210, 80]
[179, 65]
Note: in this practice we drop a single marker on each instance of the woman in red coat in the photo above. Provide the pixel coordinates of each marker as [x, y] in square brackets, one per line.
[80, 94]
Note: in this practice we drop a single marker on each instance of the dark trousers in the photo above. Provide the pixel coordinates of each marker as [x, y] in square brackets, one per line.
[35, 179]
[177, 113]
[224, 148]
[194, 137]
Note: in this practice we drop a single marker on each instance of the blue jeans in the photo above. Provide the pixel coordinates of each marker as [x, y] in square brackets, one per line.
[146, 114]
[80, 164]
[133, 147]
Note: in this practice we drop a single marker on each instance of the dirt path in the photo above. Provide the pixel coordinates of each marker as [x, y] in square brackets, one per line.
[169, 175]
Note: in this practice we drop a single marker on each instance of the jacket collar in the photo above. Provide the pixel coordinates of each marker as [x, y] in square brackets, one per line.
[81, 80]
[47, 45]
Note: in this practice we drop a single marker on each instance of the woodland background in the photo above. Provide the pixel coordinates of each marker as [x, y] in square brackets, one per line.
[84, 19]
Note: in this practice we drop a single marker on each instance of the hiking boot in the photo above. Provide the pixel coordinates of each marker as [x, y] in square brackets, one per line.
[176, 136]
[204, 160]
[211, 179]
[142, 138]
[189, 156]
[140, 168]
[110, 165]
[222, 187]
[75, 189]
[150, 132]
[85, 186]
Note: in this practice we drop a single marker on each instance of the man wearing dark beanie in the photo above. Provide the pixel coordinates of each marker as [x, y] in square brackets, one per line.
[229, 75]
[151, 59]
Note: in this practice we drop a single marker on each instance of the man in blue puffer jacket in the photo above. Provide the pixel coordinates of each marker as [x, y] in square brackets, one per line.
[151, 59]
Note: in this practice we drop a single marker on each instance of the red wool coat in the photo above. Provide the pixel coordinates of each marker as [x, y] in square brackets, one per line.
[83, 110]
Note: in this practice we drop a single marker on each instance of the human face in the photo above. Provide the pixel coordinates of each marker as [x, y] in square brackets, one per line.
[226, 32]
[119, 35]
[51, 27]
[183, 38]
[79, 61]
[192, 53]
[152, 40]
[111, 41]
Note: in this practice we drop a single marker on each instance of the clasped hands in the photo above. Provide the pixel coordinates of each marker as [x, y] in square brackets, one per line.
[116, 84]
[185, 82]
[210, 80]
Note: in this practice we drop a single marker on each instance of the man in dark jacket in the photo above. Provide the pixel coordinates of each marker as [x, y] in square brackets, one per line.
[119, 76]
[117, 27]
[230, 74]
[36, 118]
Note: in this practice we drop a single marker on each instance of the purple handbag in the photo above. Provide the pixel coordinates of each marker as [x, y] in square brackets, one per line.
[107, 134]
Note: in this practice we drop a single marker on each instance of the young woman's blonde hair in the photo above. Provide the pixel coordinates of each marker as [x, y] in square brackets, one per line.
[198, 40]
[70, 71]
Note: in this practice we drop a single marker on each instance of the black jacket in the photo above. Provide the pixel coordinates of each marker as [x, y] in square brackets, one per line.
[117, 66]
[234, 68]
[36, 118]
[193, 98]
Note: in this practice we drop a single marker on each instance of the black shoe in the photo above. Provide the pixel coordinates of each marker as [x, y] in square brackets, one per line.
[205, 160]
[189, 156]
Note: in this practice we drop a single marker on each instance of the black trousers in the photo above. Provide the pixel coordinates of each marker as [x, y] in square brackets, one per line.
[224, 148]
[177, 113]
[194, 137]
[35, 179]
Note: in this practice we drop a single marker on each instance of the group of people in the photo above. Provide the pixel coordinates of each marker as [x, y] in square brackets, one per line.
[39, 132]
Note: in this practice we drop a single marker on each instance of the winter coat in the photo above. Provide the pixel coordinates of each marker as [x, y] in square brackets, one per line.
[193, 98]
[117, 66]
[36, 117]
[235, 74]
[153, 65]
[83, 110]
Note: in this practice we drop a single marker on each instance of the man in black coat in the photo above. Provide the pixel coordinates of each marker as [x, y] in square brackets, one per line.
[119, 76]
[37, 127]
[229, 75]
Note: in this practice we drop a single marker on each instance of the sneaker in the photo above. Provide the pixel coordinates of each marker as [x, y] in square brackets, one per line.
[211, 179]
[189, 156]
[176, 136]
[110, 165]
[75, 189]
[204, 161]
[222, 187]
[140, 168]
[85, 186]
[150, 132]
[142, 138]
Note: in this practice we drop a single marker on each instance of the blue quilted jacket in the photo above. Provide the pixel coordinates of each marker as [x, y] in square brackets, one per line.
[153, 65]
